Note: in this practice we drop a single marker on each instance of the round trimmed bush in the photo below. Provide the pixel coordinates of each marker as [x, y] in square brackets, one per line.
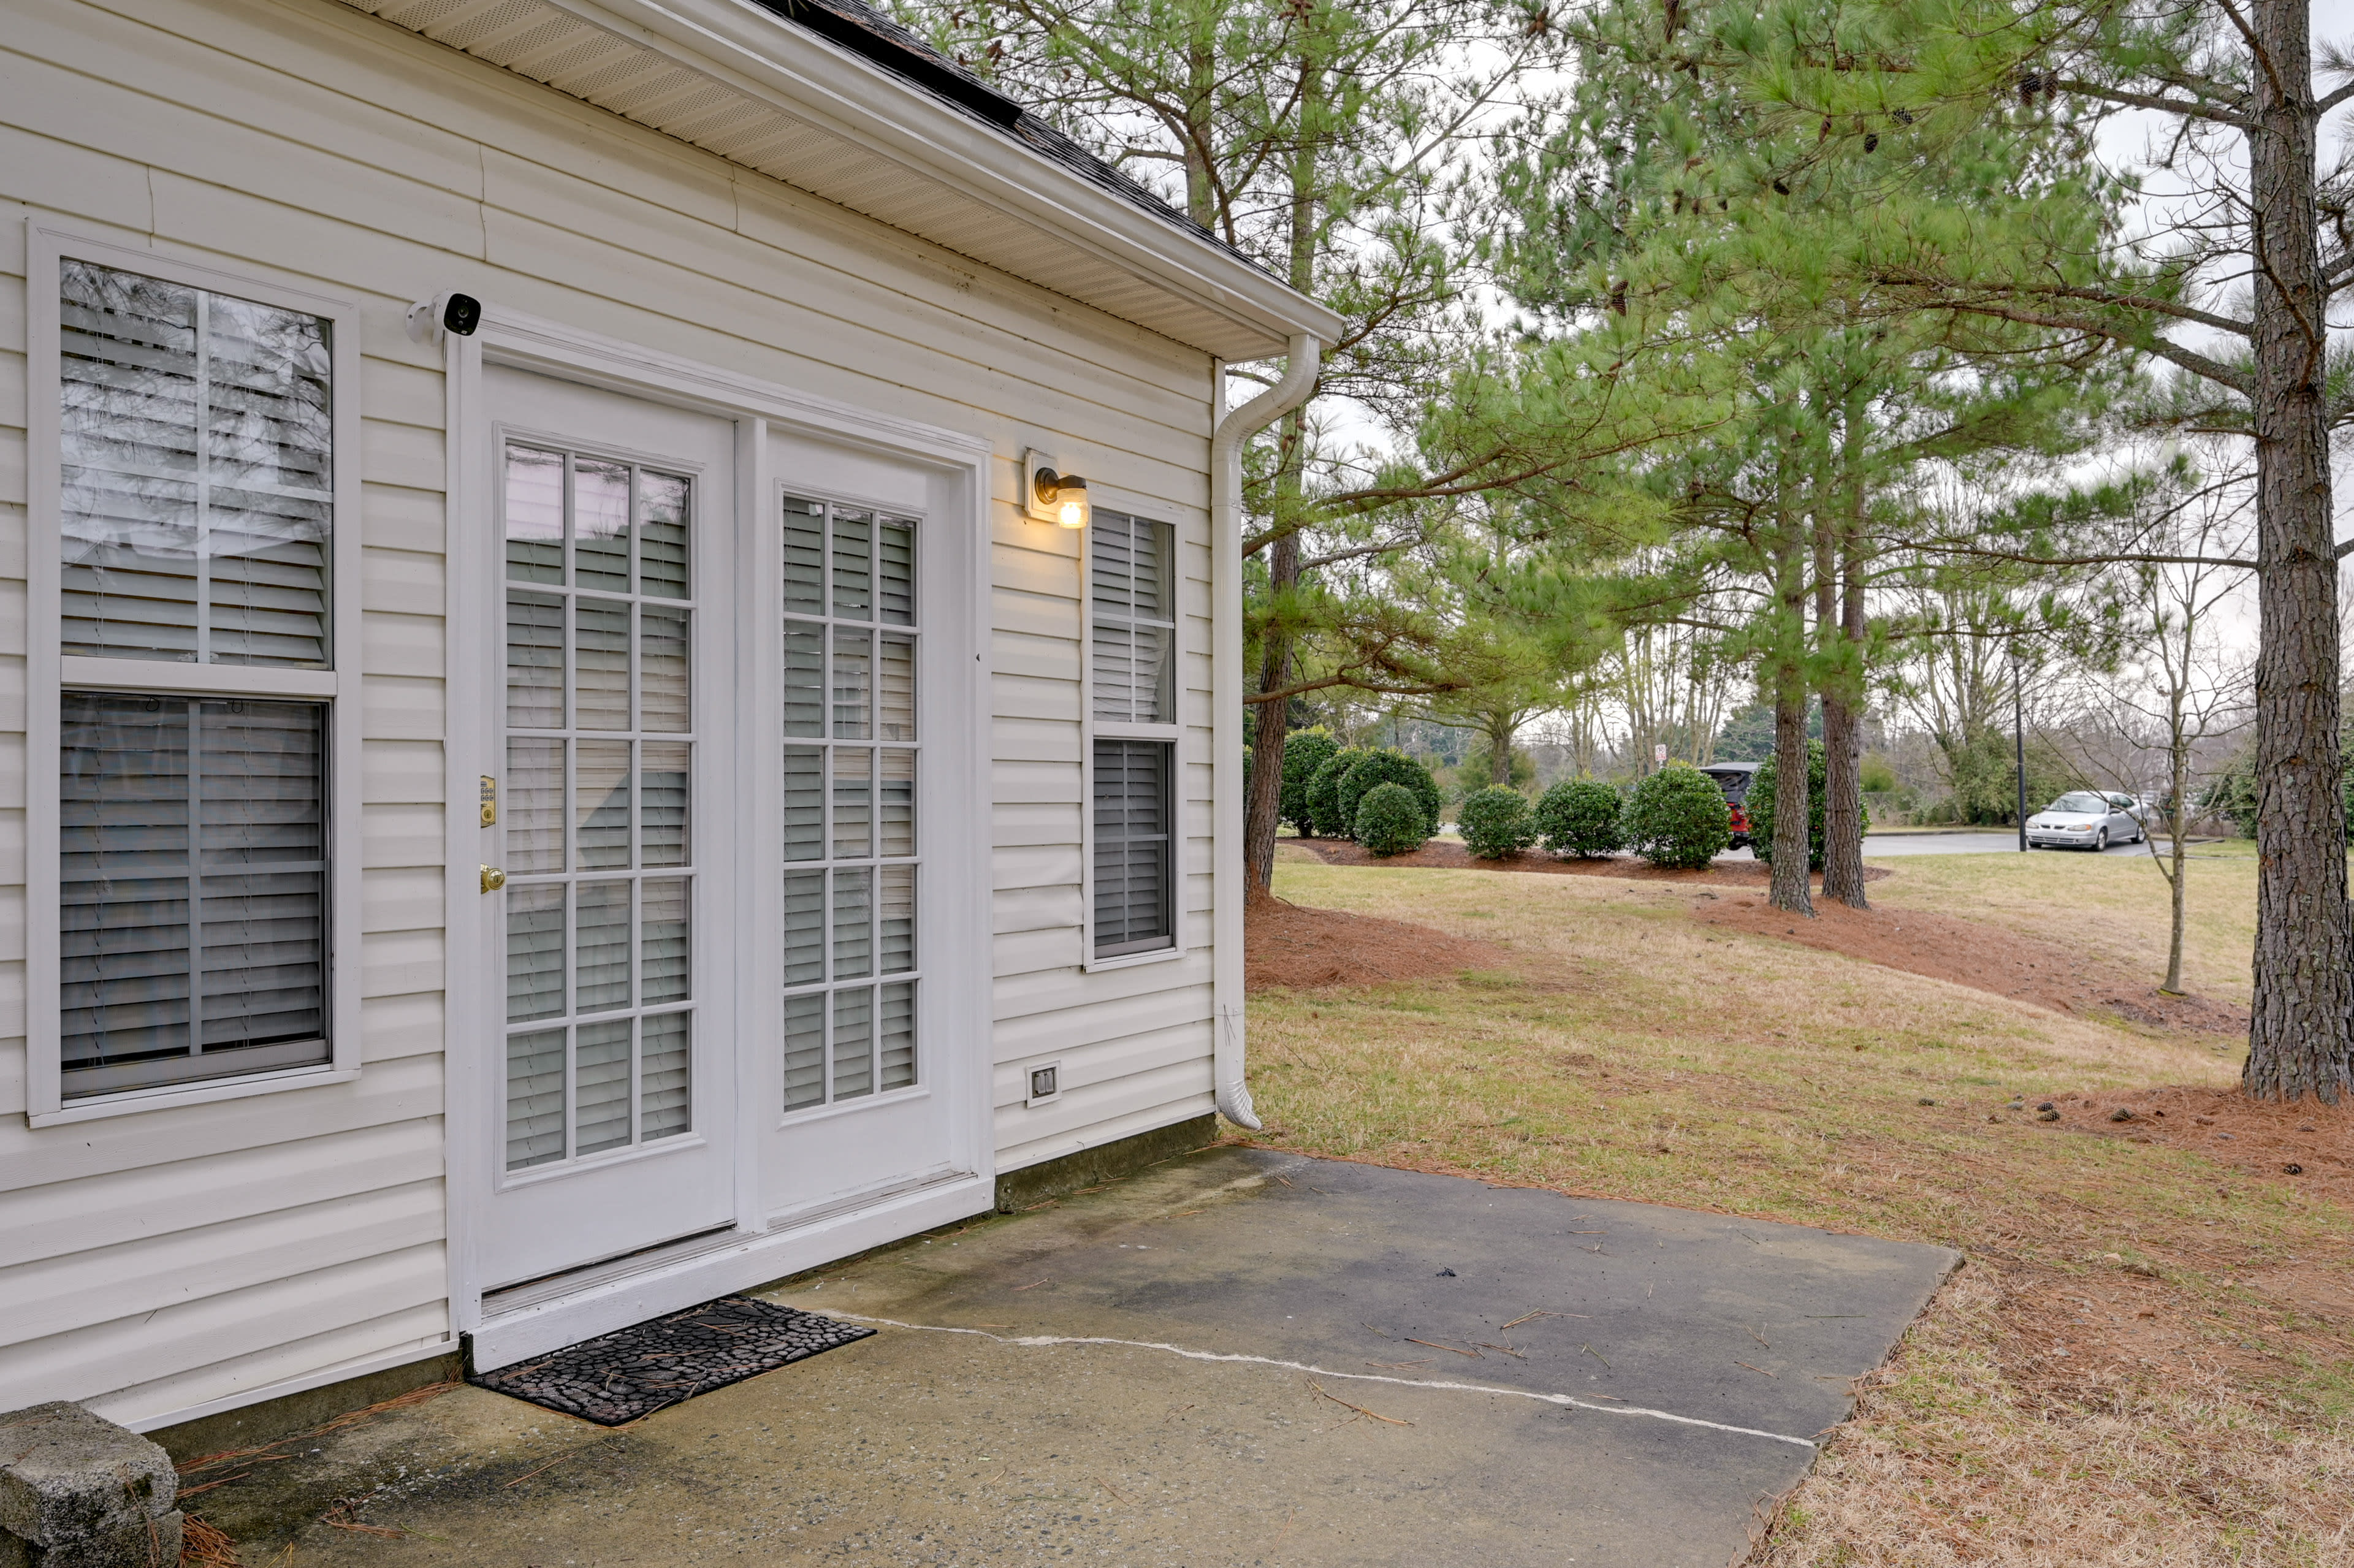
[1390, 820]
[1580, 818]
[1386, 767]
[1760, 806]
[1496, 823]
[1323, 794]
[1678, 817]
[1304, 752]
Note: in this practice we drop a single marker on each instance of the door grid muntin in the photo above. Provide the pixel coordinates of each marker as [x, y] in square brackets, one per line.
[851, 653]
[598, 789]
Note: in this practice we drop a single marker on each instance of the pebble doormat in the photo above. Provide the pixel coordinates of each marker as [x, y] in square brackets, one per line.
[637, 1370]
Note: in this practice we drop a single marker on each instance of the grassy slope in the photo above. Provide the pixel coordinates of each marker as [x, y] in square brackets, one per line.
[1631, 1054]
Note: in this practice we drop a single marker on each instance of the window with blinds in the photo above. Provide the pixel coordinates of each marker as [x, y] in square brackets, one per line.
[193, 850]
[1132, 667]
[197, 473]
[851, 965]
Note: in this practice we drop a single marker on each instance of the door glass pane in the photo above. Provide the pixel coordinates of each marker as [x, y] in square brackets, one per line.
[897, 1029]
[601, 804]
[804, 558]
[534, 809]
[854, 915]
[535, 952]
[662, 800]
[804, 792]
[853, 684]
[854, 543]
[535, 516]
[600, 654]
[600, 525]
[663, 970]
[853, 1042]
[665, 1069]
[847, 801]
[804, 928]
[664, 701]
[534, 661]
[854, 794]
[804, 1051]
[804, 680]
[595, 667]
[600, 959]
[662, 506]
[601, 1092]
[535, 1097]
[895, 802]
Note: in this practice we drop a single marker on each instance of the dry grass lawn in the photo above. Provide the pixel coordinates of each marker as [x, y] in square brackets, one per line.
[2149, 1356]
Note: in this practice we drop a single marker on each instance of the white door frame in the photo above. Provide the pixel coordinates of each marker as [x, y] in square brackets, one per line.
[959, 1050]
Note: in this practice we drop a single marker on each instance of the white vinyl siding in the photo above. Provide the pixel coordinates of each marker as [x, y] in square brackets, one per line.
[204, 1253]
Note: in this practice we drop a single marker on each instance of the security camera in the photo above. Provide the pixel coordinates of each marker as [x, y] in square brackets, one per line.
[454, 314]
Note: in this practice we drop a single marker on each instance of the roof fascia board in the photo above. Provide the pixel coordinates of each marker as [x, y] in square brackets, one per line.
[761, 54]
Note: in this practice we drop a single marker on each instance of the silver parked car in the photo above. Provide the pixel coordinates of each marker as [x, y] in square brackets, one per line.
[2085, 819]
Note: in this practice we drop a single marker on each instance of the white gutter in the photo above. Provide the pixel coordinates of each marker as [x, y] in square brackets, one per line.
[1229, 875]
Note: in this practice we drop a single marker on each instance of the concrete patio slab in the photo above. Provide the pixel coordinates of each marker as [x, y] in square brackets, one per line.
[1239, 1357]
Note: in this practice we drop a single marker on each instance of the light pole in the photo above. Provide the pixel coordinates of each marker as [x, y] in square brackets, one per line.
[2019, 742]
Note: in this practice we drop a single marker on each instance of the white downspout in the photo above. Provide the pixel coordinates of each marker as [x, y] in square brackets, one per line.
[1228, 872]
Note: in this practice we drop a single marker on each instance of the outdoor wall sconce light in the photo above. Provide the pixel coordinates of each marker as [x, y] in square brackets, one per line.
[1052, 495]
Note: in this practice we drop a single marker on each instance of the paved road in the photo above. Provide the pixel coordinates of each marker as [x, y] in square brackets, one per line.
[1878, 845]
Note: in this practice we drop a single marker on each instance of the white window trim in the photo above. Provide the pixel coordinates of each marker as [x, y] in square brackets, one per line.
[1092, 730]
[49, 671]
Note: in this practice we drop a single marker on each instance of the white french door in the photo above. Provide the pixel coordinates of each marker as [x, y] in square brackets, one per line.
[608, 813]
[866, 832]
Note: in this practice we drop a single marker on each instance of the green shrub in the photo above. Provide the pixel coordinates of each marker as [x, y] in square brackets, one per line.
[1386, 767]
[1390, 820]
[1581, 816]
[1678, 817]
[1760, 806]
[1324, 793]
[1304, 751]
[1495, 823]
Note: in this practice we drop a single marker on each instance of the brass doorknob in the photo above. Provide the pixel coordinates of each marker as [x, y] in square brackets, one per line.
[492, 879]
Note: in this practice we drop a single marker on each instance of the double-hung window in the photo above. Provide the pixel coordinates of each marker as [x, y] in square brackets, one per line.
[1133, 755]
[191, 627]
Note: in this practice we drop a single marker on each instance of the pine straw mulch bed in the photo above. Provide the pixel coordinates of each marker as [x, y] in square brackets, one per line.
[1301, 947]
[1441, 854]
[1980, 955]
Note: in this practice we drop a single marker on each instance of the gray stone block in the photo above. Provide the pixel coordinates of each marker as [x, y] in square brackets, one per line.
[77, 1491]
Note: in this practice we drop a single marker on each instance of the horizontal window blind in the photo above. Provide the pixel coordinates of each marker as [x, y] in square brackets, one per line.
[197, 473]
[1133, 601]
[1133, 897]
[194, 873]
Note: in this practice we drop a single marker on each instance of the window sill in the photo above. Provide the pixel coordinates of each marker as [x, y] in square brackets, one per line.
[135, 1100]
[1131, 960]
[853, 1107]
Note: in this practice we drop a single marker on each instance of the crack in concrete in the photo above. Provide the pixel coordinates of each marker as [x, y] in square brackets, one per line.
[1040, 1342]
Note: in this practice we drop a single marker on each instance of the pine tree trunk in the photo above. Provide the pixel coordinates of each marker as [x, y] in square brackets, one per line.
[1839, 615]
[2304, 1003]
[2178, 824]
[1265, 802]
[1788, 671]
[1788, 888]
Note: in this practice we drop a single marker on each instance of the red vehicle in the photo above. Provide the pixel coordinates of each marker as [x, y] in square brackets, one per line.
[1735, 778]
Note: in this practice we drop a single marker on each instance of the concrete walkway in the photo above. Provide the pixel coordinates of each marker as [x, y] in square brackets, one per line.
[1239, 1357]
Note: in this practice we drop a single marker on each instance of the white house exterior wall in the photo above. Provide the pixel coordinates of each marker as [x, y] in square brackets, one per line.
[158, 1263]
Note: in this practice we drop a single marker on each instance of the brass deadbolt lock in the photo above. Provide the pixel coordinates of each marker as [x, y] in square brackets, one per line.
[492, 879]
